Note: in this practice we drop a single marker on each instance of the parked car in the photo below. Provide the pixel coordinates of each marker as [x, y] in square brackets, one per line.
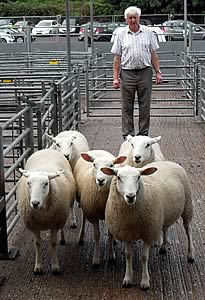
[21, 25]
[105, 32]
[87, 26]
[6, 38]
[6, 22]
[174, 30]
[46, 27]
[74, 26]
[19, 37]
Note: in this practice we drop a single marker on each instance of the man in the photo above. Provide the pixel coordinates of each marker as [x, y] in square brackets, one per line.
[134, 47]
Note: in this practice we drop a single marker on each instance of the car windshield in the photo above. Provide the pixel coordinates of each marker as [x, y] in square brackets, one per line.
[21, 23]
[4, 22]
[44, 24]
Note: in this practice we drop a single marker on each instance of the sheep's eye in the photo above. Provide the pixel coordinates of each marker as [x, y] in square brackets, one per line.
[46, 184]
[29, 184]
[111, 165]
[58, 145]
[147, 145]
[132, 145]
[118, 178]
[94, 165]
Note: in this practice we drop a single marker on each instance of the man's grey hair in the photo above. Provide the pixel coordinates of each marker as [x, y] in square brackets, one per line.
[133, 10]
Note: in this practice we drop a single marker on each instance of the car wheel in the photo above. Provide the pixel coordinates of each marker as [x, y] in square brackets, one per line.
[103, 39]
[20, 40]
[4, 40]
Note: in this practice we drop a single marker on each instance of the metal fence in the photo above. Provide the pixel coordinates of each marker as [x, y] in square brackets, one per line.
[168, 99]
[202, 92]
[36, 109]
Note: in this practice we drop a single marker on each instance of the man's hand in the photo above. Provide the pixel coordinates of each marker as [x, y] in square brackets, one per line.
[158, 78]
[116, 83]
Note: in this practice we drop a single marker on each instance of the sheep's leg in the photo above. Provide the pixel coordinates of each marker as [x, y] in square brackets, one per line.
[54, 258]
[128, 279]
[165, 243]
[111, 252]
[73, 222]
[190, 242]
[38, 260]
[96, 255]
[144, 260]
[82, 230]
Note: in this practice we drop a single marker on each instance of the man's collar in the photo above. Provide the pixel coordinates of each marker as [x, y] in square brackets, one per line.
[140, 29]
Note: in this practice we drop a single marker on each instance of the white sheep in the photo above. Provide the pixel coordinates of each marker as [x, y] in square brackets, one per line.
[70, 143]
[141, 150]
[92, 187]
[45, 193]
[141, 207]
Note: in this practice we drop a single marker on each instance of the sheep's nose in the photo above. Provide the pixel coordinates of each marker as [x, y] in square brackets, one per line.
[137, 158]
[130, 199]
[101, 181]
[67, 156]
[35, 204]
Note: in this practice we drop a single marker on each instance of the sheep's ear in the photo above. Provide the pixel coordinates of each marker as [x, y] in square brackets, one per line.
[119, 159]
[55, 174]
[87, 157]
[129, 138]
[50, 137]
[155, 139]
[23, 172]
[108, 171]
[148, 171]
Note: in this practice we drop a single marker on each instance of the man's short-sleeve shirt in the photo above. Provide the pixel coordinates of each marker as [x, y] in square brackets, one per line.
[134, 48]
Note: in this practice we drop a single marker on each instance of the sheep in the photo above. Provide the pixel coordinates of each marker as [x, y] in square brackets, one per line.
[141, 150]
[141, 207]
[45, 193]
[92, 190]
[70, 143]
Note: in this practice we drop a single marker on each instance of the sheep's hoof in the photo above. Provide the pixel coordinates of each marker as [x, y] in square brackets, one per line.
[144, 287]
[95, 266]
[80, 243]
[126, 284]
[163, 250]
[38, 272]
[114, 242]
[191, 260]
[55, 272]
[111, 261]
[73, 226]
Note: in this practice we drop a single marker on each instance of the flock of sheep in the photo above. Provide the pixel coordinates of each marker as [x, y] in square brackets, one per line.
[138, 193]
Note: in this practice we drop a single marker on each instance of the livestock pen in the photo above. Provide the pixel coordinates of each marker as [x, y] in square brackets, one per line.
[183, 141]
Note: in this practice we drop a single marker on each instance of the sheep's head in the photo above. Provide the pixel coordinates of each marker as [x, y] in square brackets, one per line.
[65, 145]
[128, 179]
[142, 151]
[101, 178]
[39, 186]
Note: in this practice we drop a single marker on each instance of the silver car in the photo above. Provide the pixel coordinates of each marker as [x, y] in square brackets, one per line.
[174, 30]
[46, 27]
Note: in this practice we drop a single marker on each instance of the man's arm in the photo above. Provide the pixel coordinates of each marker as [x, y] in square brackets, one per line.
[116, 70]
[156, 65]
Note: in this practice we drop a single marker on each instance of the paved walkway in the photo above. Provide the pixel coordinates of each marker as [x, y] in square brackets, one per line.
[172, 277]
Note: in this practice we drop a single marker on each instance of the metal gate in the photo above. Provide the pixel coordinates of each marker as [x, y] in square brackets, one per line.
[174, 97]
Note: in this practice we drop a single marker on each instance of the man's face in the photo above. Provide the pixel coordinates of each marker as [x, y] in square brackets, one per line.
[133, 22]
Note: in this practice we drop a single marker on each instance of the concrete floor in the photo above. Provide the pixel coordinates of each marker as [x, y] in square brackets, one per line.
[172, 277]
